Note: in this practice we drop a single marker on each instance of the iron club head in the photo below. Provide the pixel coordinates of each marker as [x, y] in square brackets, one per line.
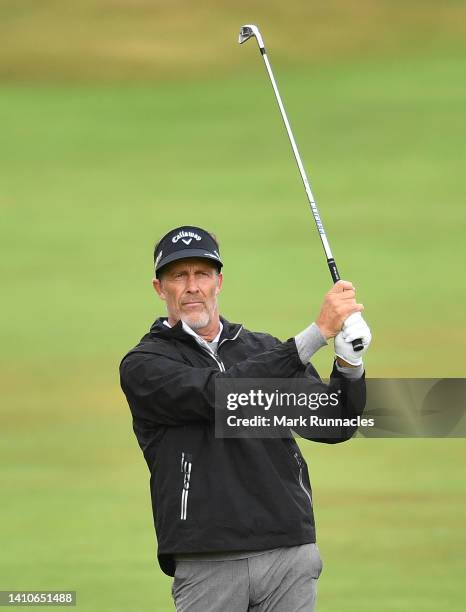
[248, 31]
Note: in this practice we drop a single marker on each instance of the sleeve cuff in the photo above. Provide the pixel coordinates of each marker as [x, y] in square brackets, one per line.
[351, 373]
[309, 341]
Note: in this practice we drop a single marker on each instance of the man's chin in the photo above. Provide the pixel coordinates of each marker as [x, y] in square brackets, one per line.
[197, 321]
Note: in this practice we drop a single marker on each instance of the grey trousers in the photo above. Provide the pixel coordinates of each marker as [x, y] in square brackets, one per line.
[280, 580]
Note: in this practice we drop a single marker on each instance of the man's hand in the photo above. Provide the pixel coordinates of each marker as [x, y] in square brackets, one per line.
[338, 304]
[354, 327]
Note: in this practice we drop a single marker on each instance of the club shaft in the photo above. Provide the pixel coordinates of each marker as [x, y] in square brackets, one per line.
[302, 171]
[246, 33]
[332, 266]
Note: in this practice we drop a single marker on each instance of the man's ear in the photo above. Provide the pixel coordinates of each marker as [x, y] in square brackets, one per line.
[219, 283]
[156, 283]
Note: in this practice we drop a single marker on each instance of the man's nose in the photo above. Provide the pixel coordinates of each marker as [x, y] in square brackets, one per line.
[192, 284]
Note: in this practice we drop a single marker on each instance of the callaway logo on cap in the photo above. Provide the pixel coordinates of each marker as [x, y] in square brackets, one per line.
[183, 242]
[186, 237]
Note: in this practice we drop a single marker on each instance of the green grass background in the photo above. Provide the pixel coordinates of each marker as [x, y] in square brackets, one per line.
[120, 120]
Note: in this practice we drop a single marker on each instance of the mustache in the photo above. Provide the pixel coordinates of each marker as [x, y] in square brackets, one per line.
[193, 302]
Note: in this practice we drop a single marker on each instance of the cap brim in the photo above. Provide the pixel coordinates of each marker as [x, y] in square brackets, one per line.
[185, 254]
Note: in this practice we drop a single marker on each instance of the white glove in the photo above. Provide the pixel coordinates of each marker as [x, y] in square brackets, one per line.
[353, 327]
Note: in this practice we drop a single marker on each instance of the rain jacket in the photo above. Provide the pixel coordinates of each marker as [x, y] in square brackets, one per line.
[218, 494]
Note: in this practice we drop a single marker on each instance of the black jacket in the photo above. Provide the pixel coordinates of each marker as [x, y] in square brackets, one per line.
[212, 494]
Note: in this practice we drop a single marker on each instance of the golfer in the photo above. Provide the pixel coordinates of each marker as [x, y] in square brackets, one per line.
[233, 517]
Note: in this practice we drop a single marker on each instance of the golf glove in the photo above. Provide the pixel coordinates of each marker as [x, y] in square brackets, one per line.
[353, 327]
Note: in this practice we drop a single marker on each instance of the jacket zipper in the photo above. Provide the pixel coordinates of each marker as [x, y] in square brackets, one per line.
[299, 461]
[186, 467]
[218, 362]
[215, 355]
[230, 339]
[186, 462]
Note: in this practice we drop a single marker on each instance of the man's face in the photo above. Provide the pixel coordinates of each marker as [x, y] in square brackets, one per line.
[190, 288]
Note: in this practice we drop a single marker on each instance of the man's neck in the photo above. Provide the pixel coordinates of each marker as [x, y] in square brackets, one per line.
[208, 333]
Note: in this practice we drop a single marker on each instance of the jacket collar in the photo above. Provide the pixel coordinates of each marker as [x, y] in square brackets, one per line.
[230, 330]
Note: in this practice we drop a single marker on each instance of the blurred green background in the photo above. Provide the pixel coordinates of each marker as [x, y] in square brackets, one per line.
[121, 119]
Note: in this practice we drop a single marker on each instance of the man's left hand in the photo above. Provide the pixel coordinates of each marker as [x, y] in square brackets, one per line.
[354, 327]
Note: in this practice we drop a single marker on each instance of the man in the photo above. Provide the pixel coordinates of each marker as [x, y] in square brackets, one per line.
[233, 517]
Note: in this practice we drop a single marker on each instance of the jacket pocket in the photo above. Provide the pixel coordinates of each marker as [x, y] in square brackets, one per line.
[300, 465]
[186, 469]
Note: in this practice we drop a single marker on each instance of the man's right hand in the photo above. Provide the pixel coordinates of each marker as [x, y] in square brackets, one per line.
[338, 304]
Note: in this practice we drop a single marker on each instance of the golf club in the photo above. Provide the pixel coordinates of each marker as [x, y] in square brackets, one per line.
[248, 31]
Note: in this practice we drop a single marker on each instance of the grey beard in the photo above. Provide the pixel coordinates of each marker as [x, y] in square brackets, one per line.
[200, 321]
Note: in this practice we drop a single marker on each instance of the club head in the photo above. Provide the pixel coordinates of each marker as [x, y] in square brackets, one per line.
[248, 31]
[245, 34]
